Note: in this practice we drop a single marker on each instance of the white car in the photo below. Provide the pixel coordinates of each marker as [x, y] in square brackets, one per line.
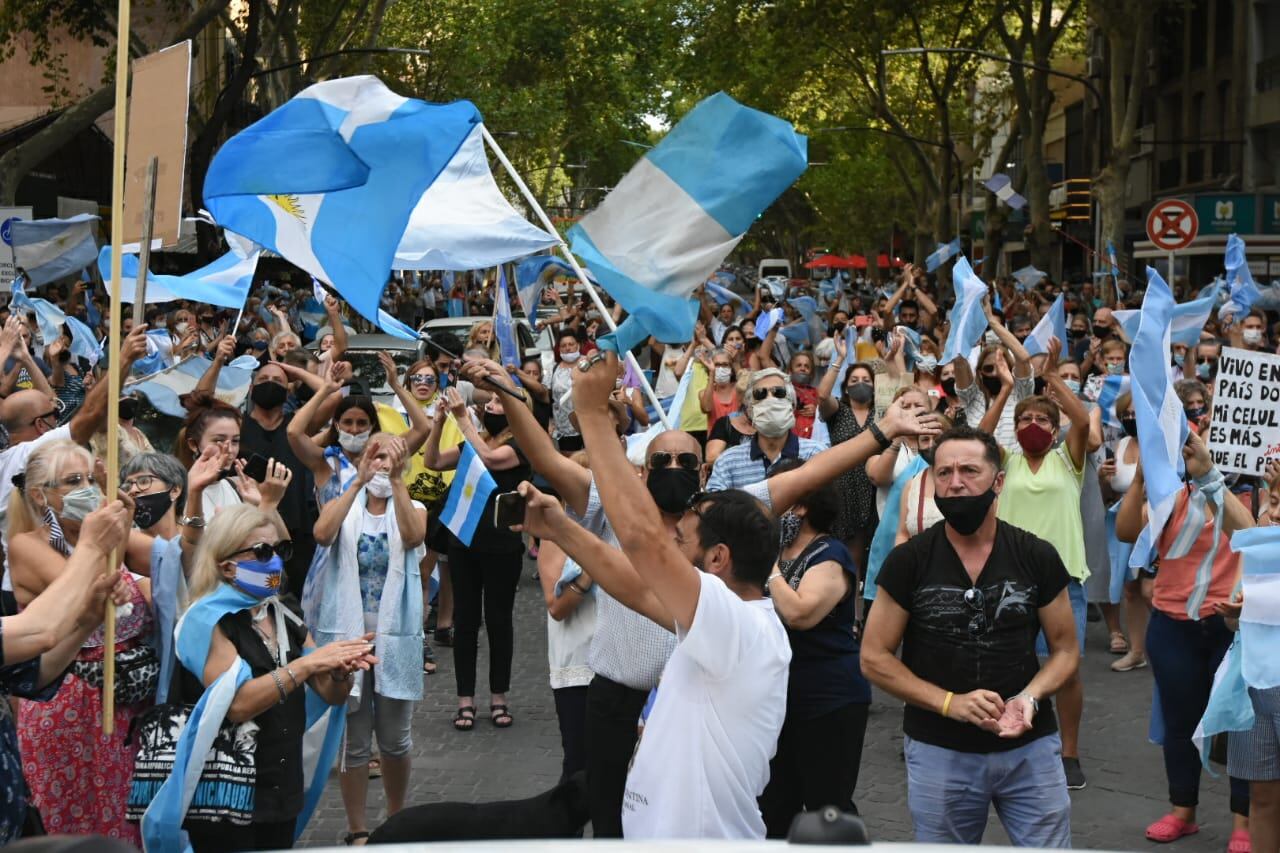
[531, 342]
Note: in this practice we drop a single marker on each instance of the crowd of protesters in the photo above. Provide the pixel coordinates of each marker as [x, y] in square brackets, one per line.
[837, 509]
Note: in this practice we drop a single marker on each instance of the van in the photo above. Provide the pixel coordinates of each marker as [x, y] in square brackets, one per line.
[774, 268]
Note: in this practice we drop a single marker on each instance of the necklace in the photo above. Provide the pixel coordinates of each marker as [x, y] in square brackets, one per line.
[267, 640]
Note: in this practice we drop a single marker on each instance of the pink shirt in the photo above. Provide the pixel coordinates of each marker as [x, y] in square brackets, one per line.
[1176, 578]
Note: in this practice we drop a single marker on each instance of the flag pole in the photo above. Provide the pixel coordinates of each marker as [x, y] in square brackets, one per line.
[577, 268]
[144, 250]
[113, 335]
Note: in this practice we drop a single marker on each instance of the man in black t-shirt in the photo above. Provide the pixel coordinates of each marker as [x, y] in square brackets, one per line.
[965, 599]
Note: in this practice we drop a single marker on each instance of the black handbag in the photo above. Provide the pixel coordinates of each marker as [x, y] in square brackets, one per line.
[137, 673]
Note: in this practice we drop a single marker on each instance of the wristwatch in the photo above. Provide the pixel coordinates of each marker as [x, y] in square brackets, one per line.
[1033, 701]
[196, 521]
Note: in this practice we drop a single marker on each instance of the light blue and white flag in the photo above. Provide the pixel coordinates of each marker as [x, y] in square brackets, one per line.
[1028, 277]
[503, 326]
[534, 274]
[638, 443]
[811, 332]
[463, 221]
[766, 321]
[1259, 548]
[944, 253]
[1003, 188]
[968, 319]
[224, 283]
[1188, 318]
[48, 249]
[671, 221]
[1162, 425]
[330, 179]
[312, 315]
[165, 388]
[1052, 325]
[468, 495]
[49, 316]
[1242, 289]
[83, 343]
[1108, 392]
[1111, 259]
[723, 295]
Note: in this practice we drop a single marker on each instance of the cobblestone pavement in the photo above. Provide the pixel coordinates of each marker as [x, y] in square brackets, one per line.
[1126, 788]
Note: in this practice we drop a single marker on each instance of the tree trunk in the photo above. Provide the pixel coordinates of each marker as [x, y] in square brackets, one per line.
[1040, 237]
[18, 161]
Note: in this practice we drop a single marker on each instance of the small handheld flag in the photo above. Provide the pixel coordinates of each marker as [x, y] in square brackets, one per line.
[1052, 325]
[468, 495]
[944, 253]
[968, 320]
[1003, 188]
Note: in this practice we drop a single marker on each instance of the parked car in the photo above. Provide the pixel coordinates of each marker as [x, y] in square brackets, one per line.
[368, 377]
[530, 341]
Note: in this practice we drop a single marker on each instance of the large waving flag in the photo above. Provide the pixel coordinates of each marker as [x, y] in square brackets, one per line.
[671, 221]
[468, 495]
[944, 253]
[535, 273]
[1162, 426]
[463, 221]
[48, 249]
[83, 343]
[1188, 318]
[1243, 290]
[49, 316]
[224, 283]
[330, 180]
[968, 320]
[166, 387]
[1052, 325]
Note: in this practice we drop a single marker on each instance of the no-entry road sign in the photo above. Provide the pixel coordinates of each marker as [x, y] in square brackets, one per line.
[1172, 224]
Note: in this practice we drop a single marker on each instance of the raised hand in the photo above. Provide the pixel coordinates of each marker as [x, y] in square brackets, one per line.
[226, 348]
[898, 421]
[272, 489]
[456, 404]
[543, 514]
[594, 380]
[389, 365]
[208, 468]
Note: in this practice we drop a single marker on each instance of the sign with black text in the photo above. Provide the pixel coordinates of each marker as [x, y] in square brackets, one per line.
[1245, 430]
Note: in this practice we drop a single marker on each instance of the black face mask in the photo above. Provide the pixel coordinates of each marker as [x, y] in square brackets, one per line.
[671, 488]
[861, 393]
[1101, 331]
[1130, 426]
[269, 395]
[128, 408]
[837, 330]
[991, 383]
[949, 386]
[149, 509]
[965, 513]
[494, 424]
[1039, 385]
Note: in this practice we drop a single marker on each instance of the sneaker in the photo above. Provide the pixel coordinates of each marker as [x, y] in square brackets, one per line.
[1075, 776]
[1131, 660]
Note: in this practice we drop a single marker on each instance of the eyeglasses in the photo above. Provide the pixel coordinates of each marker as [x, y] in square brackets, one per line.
[427, 379]
[978, 604]
[72, 481]
[989, 370]
[778, 391]
[263, 551]
[662, 459]
[142, 482]
[1034, 419]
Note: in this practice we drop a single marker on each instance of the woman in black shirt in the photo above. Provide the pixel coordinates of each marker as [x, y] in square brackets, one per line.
[486, 572]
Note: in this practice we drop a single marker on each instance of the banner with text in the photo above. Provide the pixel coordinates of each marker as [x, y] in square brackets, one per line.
[1245, 432]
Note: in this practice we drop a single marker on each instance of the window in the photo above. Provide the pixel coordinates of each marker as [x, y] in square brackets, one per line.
[1223, 29]
[1199, 20]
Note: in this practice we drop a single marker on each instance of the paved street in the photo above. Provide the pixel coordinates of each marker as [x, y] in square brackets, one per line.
[1126, 779]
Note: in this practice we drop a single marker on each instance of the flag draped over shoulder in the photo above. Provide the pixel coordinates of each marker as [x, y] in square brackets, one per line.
[48, 249]
[1162, 425]
[1052, 325]
[224, 283]
[671, 221]
[968, 319]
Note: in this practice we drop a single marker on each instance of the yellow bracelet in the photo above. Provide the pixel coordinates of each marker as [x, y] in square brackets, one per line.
[946, 703]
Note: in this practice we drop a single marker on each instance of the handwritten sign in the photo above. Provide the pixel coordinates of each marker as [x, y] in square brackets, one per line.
[1245, 430]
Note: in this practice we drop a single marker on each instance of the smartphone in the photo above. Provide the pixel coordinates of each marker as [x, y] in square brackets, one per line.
[508, 510]
[863, 320]
[256, 467]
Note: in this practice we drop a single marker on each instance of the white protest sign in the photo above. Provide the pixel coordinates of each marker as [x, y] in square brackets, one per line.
[1245, 431]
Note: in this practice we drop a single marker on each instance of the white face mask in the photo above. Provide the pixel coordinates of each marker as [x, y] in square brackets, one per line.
[1252, 336]
[569, 357]
[724, 375]
[353, 443]
[773, 416]
[379, 485]
[927, 363]
[182, 327]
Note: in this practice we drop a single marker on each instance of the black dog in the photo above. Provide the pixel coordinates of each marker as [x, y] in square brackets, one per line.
[559, 813]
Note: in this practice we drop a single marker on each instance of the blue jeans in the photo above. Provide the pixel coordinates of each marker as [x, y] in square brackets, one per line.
[950, 792]
[1079, 611]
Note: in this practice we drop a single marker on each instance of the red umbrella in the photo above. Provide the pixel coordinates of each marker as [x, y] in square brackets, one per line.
[857, 262]
[882, 260]
[826, 262]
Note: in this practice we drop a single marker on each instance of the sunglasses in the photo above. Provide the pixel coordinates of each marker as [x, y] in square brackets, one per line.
[778, 391]
[263, 551]
[73, 481]
[427, 379]
[978, 604]
[662, 459]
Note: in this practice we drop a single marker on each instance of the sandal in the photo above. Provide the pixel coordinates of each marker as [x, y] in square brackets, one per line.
[465, 719]
[1119, 645]
[444, 636]
[1170, 828]
[428, 659]
[351, 838]
[375, 768]
[500, 717]
[1240, 842]
[1132, 660]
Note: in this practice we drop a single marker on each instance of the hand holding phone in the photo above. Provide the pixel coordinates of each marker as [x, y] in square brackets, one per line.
[256, 468]
[508, 510]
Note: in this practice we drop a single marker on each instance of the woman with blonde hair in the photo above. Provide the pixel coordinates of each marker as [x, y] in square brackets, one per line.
[79, 777]
[482, 337]
[240, 643]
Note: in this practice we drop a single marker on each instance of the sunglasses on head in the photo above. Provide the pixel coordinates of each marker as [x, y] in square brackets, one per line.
[662, 459]
[263, 551]
[777, 391]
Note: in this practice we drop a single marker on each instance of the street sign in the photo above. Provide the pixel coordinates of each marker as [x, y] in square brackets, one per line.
[7, 268]
[1172, 224]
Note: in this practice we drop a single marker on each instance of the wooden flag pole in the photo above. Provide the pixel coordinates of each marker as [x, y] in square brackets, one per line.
[113, 337]
[144, 252]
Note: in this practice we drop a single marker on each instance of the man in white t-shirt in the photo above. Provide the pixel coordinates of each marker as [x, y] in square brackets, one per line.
[704, 757]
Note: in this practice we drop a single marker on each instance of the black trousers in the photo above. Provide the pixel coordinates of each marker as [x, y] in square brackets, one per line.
[487, 582]
[613, 710]
[571, 711]
[218, 836]
[816, 765]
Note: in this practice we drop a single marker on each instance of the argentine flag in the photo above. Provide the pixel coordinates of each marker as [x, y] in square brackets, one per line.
[1243, 289]
[165, 388]
[330, 179]
[49, 316]
[1052, 325]
[968, 320]
[503, 326]
[1162, 425]
[48, 249]
[468, 495]
[944, 253]
[671, 221]
[1188, 318]
[224, 283]
[1028, 277]
[534, 274]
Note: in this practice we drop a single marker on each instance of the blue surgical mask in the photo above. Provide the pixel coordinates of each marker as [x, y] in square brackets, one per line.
[1203, 369]
[1072, 386]
[1179, 358]
[259, 579]
[1115, 369]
